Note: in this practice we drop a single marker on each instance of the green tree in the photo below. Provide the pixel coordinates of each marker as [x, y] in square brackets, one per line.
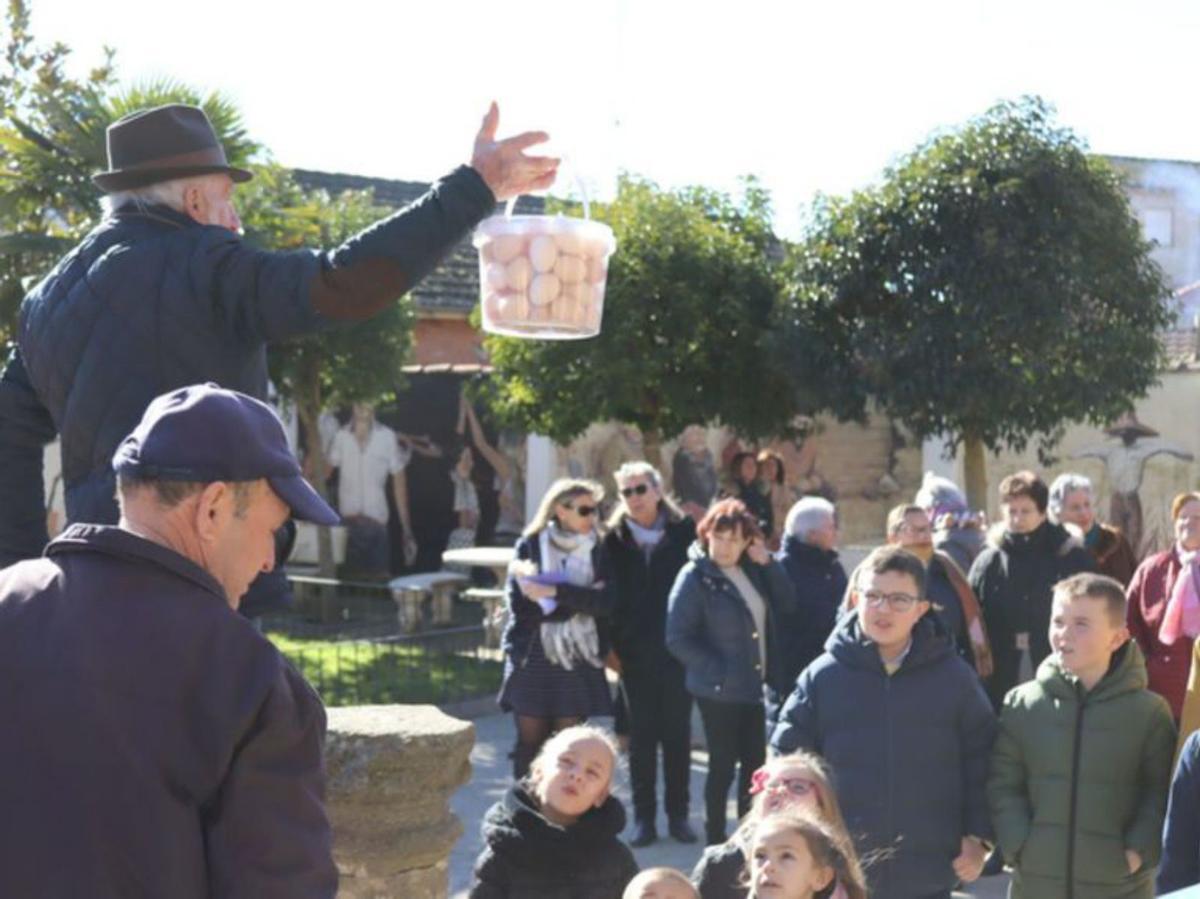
[994, 287]
[52, 140]
[341, 365]
[690, 314]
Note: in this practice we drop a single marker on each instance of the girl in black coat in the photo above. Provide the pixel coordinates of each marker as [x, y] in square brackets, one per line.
[555, 834]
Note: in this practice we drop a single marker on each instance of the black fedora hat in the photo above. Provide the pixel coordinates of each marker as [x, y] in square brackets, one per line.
[159, 144]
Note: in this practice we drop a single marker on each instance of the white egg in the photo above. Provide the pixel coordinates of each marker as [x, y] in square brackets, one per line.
[597, 268]
[544, 289]
[513, 307]
[491, 306]
[506, 246]
[495, 276]
[569, 242]
[562, 310]
[543, 253]
[518, 272]
[570, 268]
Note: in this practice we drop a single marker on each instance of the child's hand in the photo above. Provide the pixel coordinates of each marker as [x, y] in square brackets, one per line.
[969, 864]
[536, 591]
[1134, 860]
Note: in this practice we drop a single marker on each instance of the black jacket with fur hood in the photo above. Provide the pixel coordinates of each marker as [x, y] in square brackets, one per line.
[528, 857]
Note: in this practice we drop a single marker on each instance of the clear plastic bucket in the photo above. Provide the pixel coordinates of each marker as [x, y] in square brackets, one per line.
[543, 276]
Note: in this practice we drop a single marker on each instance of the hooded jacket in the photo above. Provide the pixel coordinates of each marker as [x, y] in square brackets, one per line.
[909, 752]
[1080, 776]
[1181, 835]
[711, 631]
[525, 856]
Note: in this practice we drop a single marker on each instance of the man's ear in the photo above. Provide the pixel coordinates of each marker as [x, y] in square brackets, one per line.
[1120, 635]
[211, 508]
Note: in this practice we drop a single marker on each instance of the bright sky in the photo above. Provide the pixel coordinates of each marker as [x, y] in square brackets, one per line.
[810, 96]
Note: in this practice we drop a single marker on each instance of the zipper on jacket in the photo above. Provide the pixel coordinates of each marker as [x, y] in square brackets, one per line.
[1076, 748]
[891, 759]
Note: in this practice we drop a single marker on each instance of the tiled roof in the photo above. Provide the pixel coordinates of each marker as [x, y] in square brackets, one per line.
[454, 285]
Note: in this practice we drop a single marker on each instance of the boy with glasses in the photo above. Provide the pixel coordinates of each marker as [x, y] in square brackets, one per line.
[907, 730]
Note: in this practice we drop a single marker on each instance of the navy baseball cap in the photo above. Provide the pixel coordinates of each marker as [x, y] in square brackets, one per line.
[206, 433]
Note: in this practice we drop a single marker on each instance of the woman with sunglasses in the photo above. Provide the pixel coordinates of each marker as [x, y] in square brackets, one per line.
[798, 781]
[553, 646]
[722, 625]
[646, 545]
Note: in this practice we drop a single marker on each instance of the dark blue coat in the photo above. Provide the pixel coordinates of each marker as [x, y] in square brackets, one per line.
[820, 583]
[909, 752]
[1180, 865]
[156, 744]
[151, 301]
[711, 631]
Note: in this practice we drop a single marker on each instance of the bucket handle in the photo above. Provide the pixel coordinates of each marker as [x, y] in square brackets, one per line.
[587, 207]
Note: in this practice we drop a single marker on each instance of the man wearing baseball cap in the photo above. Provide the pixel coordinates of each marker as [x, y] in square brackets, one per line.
[163, 292]
[155, 743]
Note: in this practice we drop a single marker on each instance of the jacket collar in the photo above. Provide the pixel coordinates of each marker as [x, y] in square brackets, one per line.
[119, 543]
[794, 547]
[157, 212]
[849, 645]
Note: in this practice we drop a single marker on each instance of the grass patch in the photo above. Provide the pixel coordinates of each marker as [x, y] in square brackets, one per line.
[357, 672]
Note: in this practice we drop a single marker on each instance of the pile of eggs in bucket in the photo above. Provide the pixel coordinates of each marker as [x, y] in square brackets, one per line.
[543, 276]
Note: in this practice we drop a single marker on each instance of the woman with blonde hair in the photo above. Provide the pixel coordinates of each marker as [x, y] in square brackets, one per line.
[553, 652]
[786, 783]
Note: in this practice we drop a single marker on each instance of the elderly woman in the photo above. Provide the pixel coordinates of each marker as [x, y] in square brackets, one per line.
[957, 531]
[723, 625]
[1072, 501]
[1164, 607]
[808, 556]
[553, 657]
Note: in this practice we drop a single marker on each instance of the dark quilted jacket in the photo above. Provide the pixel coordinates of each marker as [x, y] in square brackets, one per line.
[525, 856]
[151, 301]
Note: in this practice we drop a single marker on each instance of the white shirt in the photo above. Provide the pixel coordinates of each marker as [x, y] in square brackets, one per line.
[364, 471]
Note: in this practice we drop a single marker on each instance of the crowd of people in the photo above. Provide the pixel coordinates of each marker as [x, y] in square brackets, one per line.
[969, 698]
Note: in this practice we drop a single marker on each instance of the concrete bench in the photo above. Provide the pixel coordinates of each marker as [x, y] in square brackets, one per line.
[410, 591]
[495, 612]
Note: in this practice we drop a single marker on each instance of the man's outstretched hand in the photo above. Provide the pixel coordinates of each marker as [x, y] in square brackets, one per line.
[504, 165]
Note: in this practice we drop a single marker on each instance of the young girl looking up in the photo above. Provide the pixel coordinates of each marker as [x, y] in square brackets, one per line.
[797, 781]
[796, 855]
[555, 833]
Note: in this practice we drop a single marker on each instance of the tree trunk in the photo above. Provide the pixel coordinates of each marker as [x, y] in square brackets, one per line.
[652, 447]
[975, 472]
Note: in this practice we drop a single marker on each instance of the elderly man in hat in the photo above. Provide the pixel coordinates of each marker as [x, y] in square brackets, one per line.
[163, 293]
[157, 744]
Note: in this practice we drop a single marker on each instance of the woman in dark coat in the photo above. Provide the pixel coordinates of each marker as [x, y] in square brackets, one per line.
[646, 545]
[1072, 501]
[553, 646]
[745, 485]
[722, 624]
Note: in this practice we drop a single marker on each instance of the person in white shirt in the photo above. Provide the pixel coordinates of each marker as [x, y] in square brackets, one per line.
[368, 456]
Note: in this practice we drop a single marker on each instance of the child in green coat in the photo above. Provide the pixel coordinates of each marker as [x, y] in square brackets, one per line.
[1082, 763]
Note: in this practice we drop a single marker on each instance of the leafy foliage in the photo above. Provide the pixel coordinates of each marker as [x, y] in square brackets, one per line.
[689, 318]
[993, 287]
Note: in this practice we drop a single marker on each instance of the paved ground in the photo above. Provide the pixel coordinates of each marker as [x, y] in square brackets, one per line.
[491, 772]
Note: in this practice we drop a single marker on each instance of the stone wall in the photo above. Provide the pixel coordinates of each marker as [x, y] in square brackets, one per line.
[392, 769]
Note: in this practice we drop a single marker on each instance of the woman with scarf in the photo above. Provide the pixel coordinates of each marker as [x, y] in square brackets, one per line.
[1164, 605]
[553, 652]
[1073, 502]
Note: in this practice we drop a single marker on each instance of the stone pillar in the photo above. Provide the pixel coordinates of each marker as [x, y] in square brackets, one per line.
[392, 769]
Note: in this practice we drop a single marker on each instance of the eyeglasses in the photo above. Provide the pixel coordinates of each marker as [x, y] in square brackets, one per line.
[639, 490]
[585, 511]
[761, 782]
[897, 602]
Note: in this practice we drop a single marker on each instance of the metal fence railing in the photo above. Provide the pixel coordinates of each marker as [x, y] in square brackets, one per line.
[348, 646]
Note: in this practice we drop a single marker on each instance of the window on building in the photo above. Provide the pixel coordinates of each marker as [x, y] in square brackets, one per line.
[1158, 226]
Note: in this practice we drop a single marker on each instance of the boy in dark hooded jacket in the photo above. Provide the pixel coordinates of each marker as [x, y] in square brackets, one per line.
[907, 730]
[1079, 777]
